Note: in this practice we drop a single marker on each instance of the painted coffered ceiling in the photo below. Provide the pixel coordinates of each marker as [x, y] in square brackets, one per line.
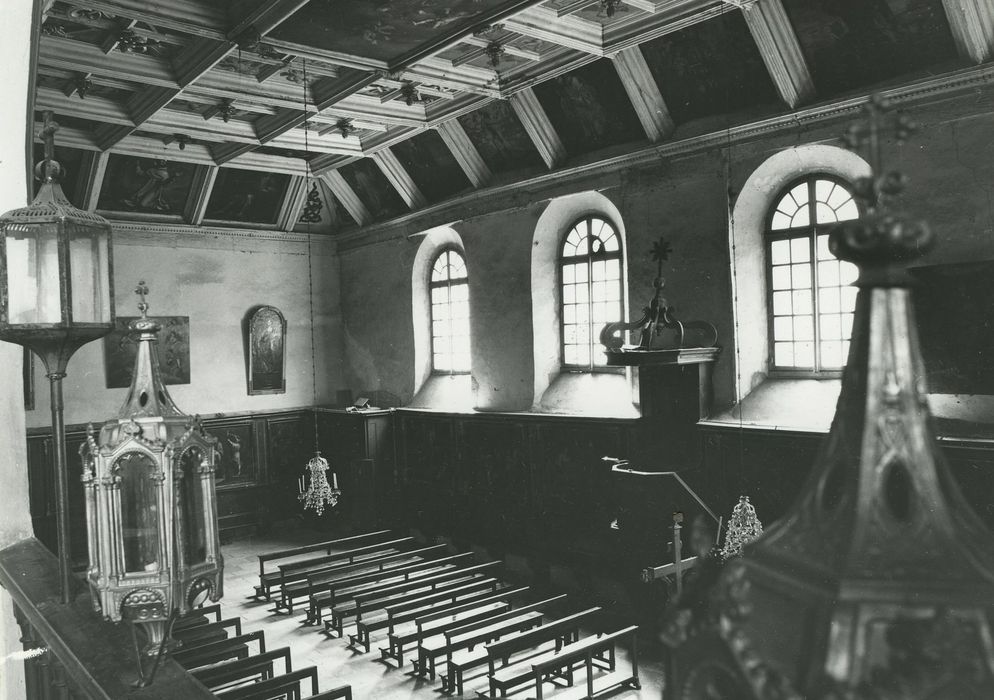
[332, 115]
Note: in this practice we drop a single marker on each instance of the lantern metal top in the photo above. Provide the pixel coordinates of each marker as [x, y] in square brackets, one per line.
[50, 204]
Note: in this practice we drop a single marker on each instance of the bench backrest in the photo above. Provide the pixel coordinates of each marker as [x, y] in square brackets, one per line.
[428, 579]
[579, 650]
[530, 638]
[198, 616]
[192, 634]
[331, 572]
[496, 619]
[317, 547]
[475, 588]
[240, 669]
[388, 572]
[275, 687]
[192, 653]
[349, 554]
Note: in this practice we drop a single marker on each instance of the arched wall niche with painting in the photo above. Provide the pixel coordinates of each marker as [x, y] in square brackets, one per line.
[266, 350]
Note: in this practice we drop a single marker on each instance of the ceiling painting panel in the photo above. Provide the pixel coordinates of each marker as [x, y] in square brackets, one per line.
[247, 196]
[372, 187]
[590, 109]
[381, 30]
[431, 165]
[145, 185]
[501, 140]
[854, 43]
[710, 68]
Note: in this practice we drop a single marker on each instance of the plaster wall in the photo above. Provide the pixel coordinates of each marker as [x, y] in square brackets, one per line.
[687, 199]
[215, 280]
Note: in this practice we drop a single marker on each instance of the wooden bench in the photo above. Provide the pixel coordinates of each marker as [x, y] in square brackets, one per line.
[196, 655]
[330, 593]
[198, 616]
[601, 648]
[562, 632]
[299, 570]
[447, 639]
[424, 584]
[266, 579]
[211, 632]
[307, 587]
[405, 627]
[457, 662]
[379, 614]
[252, 668]
[289, 685]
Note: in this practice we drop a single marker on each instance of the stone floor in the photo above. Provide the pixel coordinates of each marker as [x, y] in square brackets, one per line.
[337, 665]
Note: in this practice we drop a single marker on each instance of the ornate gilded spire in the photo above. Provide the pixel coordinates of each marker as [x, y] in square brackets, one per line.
[147, 396]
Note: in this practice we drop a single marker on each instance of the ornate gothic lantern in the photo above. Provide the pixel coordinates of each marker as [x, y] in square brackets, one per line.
[879, 583]
[151, 506]
[56, 295]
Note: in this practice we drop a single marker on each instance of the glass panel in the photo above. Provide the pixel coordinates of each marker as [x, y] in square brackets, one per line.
[823, 190]
[139, 512]
[804, 355]
[612, 269]
[781, 277]
[598, 291]
[783, 354]
[800, 193]
[847, 325]
[828, 300]
[801, 301]
[783, 328]
[847, 211]
[192, 508]
[800, 276]
[88, 265]
[848, 298]
[780, 252]
[838, 197]
[848, 273]
[824, 213]
[830, 326]
[828, 273]
[612, 243]
[831, 354]
[802, 217]
[823, 251]
[781, 303]
[800, 250]
[780, 221]
[803, 328]
[33, 276]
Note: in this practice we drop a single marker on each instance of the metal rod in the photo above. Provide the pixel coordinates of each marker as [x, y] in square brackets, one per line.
[61, 486]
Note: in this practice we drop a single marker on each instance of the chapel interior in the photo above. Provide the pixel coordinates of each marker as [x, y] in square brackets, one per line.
[497, 348]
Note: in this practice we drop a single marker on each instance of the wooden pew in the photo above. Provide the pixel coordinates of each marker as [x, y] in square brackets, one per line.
[211, 632]
[375, 615]
[433, 580]
[212, 652]
[561, 631]
[266, 579]
[308, 586]
[256, 667]
[288, 685]
[586, 651]
[445, 640]
[454, 667]
[405, 627]
[329, 594]
[198, 616]
[299, 570]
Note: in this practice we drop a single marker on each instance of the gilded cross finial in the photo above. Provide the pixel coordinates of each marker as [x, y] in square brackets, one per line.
[141, 290]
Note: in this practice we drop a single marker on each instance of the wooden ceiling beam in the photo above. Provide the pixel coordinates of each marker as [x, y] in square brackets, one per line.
[204, 177]
[568, 31]
[465, 153]
[972, 24]
[536, 123]
[292, 203]
[94, 169]
[346, 195]
[263, 18]
[401, 180]
[781, 51]
[644, 94]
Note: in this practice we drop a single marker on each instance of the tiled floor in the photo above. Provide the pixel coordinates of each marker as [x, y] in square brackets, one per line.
[369, 677]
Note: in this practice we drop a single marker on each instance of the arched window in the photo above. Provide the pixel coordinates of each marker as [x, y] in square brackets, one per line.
[590, 275]
[810, 300]
[449, 288]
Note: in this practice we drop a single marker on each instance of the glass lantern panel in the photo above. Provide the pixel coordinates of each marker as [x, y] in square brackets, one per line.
[89, 263]
[33, 293]
[192, 510]
[139, 512]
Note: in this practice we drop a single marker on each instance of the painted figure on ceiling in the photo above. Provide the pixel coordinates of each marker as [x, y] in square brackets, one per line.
[150, 194]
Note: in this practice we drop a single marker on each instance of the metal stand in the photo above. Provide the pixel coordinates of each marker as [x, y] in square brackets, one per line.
[61, 486]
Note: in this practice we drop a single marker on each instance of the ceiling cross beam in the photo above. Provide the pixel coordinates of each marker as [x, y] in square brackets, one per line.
[781, 51]
[465, 153]
[344, 193]
[536, 123]
[293, 202]
[644, 94]
[92, 178]
[972, 24]
[401, 180]
[204, 177]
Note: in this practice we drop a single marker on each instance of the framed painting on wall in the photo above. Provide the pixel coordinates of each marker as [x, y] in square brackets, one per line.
[120, 350]
[266, 341]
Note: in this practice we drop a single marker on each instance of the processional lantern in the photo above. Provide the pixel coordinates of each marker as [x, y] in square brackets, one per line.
[56, 295]
[877, 584]
[151, 504]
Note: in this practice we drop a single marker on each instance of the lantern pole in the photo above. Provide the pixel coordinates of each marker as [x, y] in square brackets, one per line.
[61, 487]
